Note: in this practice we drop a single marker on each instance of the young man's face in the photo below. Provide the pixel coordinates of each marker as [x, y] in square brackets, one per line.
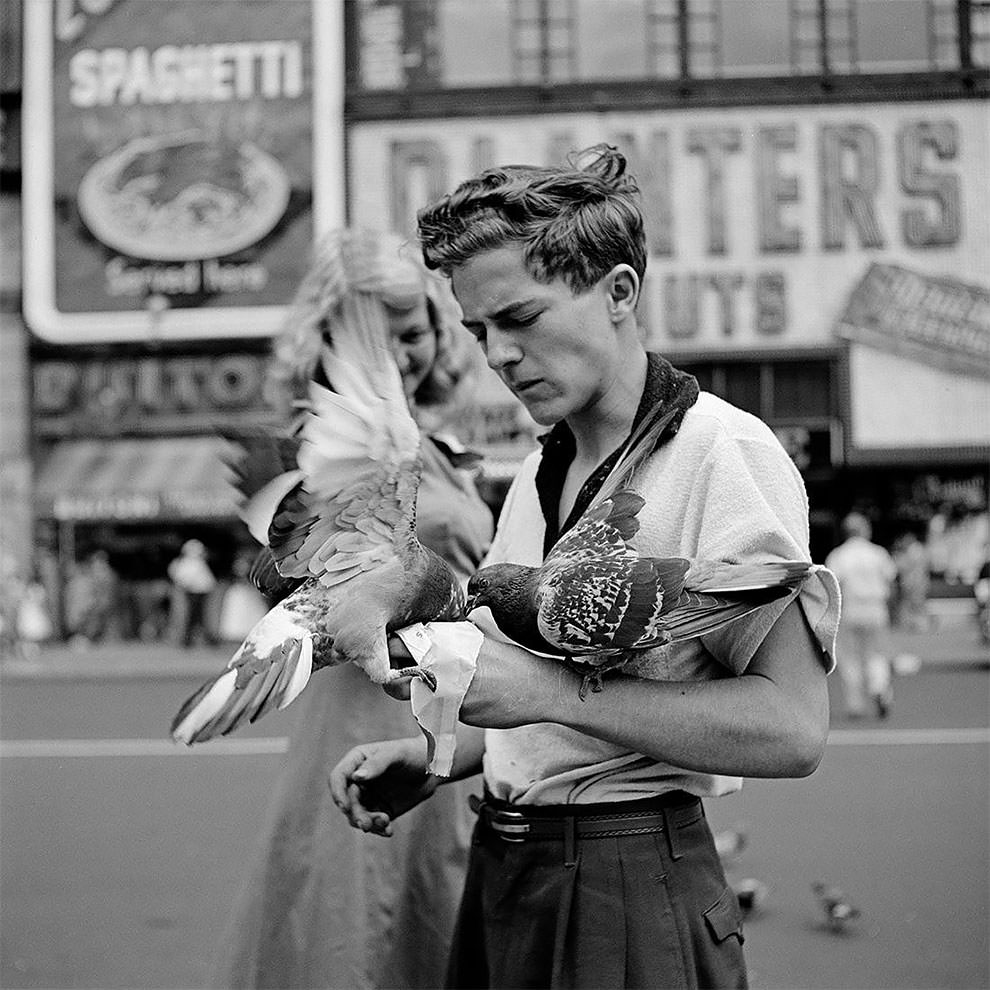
[555, 350]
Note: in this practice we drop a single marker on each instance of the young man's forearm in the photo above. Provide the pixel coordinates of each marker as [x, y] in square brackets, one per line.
[468, 753]
[770, 722]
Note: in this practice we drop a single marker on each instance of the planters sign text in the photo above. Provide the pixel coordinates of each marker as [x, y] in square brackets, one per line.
[760, 222]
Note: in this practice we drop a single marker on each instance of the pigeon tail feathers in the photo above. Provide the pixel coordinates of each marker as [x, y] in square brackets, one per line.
[714, 577]
[700, 614]
[269, 670]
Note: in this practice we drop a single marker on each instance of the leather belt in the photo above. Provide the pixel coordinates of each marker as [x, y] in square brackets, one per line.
[522, 823]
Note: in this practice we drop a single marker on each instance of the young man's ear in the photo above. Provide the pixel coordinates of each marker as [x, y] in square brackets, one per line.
[622, 285]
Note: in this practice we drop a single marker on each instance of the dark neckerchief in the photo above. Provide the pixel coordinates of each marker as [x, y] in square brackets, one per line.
[665, 385]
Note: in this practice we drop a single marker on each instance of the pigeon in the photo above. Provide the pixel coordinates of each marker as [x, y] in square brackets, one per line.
[838, 911]
[751, 894]
[595, 602]
[730, 842]
[335, 508]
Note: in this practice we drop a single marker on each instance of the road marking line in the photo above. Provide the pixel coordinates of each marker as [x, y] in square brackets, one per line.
[140, 747]
[908, 737]
[20, 748]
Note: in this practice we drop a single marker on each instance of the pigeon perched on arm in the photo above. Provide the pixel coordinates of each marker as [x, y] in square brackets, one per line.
[340, 523]
[595, 602]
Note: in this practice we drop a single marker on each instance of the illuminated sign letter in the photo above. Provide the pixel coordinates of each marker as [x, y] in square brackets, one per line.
[913, 140]
[774, 189]
[652, 171]
[713, 144]
[849, 196]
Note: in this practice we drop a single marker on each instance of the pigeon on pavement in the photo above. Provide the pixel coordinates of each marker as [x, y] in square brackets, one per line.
[838, 910]
[751, 894]
[337, 516]
[729, 842]
[595, 602]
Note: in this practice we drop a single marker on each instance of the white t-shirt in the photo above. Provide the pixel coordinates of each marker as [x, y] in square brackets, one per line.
[192, 574]
[866, 574]
[723, 488]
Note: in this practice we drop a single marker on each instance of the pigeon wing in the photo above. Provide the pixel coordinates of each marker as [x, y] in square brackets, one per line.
[608, 605]
[602, 530]
[353, 507]
[641, 443]
[361, 526]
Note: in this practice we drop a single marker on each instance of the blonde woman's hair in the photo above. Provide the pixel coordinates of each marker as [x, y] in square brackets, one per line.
[391, 270]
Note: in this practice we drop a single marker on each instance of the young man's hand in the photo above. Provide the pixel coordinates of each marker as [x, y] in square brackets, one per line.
[376, 783]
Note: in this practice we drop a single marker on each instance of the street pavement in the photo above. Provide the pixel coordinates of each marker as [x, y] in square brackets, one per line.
[120, 852]
[954, 642]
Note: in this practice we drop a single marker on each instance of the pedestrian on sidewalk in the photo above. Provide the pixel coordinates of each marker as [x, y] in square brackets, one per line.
[34, 621]
[911, 600]
[866, 575]
[192, 584]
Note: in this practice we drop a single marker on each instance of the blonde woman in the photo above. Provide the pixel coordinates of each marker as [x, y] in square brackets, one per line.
[324, 905]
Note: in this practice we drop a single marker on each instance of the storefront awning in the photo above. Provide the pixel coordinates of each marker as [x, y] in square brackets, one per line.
[136, 480]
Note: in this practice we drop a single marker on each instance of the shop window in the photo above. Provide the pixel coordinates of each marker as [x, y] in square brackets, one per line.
[422, 44]
[801, 389]
[10, 45]
[755, 37]
[776, 391]
[704, 33]
[979, 52]
[608, 46]
[893, 37]
[741, 386]
[476, 50]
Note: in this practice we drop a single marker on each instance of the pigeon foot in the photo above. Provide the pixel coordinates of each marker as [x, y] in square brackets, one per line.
[592, 681]
[426, 676]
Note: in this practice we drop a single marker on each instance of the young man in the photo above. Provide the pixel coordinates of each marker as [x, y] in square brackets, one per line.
[592, 864]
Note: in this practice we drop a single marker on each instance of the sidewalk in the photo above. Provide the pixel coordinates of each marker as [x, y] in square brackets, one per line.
[954, 643]
[117, 659]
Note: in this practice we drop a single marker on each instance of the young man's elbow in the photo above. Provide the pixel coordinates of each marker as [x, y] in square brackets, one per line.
[803, 750]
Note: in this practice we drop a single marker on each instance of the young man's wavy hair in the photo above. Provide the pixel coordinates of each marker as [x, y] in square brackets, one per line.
[575, 222]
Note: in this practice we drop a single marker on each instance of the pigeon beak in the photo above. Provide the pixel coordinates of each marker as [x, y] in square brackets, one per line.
[470, 604]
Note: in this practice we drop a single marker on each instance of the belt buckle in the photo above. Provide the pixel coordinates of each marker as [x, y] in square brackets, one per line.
[509, 831]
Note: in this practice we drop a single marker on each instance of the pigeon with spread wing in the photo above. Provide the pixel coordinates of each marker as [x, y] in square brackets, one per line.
[335, 508]
[595, 602]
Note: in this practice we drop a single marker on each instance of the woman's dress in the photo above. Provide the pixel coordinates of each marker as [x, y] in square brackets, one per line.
[324, 904]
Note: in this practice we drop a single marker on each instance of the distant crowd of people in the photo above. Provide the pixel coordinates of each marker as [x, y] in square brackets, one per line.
[189, 605]
[884, 589]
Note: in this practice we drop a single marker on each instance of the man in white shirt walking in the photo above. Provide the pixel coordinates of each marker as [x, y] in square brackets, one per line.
[866, 574]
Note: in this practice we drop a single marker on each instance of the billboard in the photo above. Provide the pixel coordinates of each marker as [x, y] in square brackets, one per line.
[771, 230]
[180, 159]
[761, 220]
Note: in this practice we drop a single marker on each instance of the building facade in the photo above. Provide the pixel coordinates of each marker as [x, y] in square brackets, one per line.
[815, 178]
[815, 173]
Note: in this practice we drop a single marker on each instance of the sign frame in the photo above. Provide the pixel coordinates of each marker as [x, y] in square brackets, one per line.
[162, 324]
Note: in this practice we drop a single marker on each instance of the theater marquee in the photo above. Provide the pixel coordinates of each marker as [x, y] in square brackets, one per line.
[180, 158]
